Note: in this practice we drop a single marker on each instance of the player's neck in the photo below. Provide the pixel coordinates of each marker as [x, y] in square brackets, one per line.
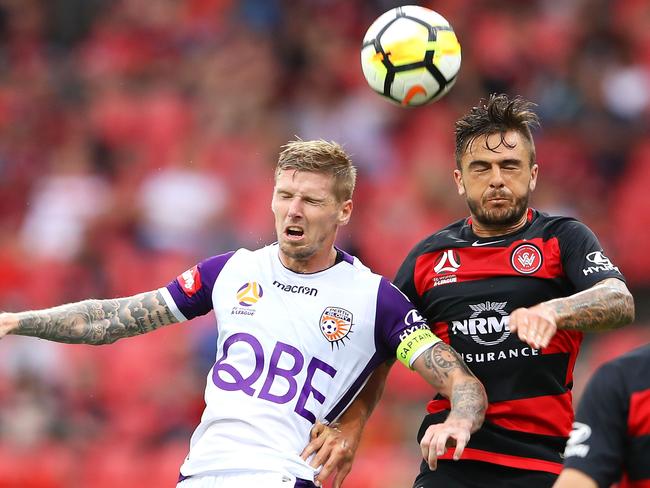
[312, 264]
[482, 229]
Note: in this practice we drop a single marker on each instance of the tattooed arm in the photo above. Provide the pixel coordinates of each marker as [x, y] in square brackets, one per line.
[606, 305]
[443, 368]
[92, 322]
[440, 366]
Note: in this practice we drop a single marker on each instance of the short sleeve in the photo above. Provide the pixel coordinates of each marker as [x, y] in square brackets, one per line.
[190, 294]
[596, 444]
[583, 259]
[401, 329]
[404, 279]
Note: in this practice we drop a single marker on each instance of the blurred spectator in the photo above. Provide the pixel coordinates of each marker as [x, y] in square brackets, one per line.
[180, 206]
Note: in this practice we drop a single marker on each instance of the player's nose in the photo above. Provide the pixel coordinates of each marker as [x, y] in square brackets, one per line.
[295, 209]
[496, 177]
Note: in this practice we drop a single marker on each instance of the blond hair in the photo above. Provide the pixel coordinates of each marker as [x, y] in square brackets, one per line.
[320, 157]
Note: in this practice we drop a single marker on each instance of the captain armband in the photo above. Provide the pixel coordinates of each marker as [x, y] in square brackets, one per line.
[415, 344]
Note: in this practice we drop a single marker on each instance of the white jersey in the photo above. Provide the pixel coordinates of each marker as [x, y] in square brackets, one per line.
[291, 349]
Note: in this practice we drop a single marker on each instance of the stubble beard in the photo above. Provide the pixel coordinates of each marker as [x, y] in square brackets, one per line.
[499, 217]
[297, 253]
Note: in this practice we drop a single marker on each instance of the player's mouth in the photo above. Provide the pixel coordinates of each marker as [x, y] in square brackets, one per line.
[294, 233]
[497, 199]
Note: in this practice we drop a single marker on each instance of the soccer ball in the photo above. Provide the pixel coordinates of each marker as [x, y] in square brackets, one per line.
[410, 55]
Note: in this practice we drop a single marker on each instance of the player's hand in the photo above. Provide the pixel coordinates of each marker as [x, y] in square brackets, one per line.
[438, 437]
[7, 323]
[334, 451]
[535, 326]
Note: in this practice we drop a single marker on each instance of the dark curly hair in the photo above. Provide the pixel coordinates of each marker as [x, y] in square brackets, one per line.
[498, 114]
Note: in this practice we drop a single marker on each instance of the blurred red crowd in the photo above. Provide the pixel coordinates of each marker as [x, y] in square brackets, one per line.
[139, 137]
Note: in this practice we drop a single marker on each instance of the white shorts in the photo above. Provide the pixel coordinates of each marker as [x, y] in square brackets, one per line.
[241, 480]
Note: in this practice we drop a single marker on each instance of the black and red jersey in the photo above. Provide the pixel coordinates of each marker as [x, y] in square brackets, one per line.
[610, 441]
[467, 286]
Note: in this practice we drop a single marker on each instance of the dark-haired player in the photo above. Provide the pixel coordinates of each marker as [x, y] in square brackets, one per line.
[512, 289]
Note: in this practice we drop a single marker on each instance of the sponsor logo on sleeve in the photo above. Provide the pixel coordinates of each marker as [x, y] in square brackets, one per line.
[336, 325]
[413, 317]
[414, 322]
[526, 259]
[190, 281]
[599, 262]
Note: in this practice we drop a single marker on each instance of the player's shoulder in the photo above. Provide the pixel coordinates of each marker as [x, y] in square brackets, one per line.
[214, 265]
[636, 360]
[551, 225]
[449, 236]
[352, 265]
[220, 260]
[626, 373]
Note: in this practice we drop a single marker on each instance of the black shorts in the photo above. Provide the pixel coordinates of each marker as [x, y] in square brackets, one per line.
[476, 474]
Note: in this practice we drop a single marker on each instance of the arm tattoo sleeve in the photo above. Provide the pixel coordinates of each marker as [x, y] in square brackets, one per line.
[468, 399]
[97, 322]
[441, 359]
[606, 305]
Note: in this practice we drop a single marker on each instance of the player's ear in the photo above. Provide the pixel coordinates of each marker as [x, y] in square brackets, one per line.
[345, 212]
[533, 177]
[273, 201]
[458, 178]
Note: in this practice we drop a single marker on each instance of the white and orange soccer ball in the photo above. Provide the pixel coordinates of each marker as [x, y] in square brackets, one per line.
[410, 55]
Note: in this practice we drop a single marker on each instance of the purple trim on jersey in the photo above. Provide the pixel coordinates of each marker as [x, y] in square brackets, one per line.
[348, 258]
[393, 309]
[395, 314]
[354, 389]
[200, 302]
[182, 478]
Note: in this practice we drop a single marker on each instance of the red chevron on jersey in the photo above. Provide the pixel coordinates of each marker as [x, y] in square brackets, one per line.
[190, 281]
[535, 257]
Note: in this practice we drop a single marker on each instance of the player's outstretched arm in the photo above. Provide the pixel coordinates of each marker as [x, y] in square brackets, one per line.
[92, 322]
[606, 305]
[443, 368]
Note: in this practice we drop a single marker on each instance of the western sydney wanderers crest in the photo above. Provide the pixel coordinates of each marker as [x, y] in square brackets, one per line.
[526, 259]
[336, 324]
